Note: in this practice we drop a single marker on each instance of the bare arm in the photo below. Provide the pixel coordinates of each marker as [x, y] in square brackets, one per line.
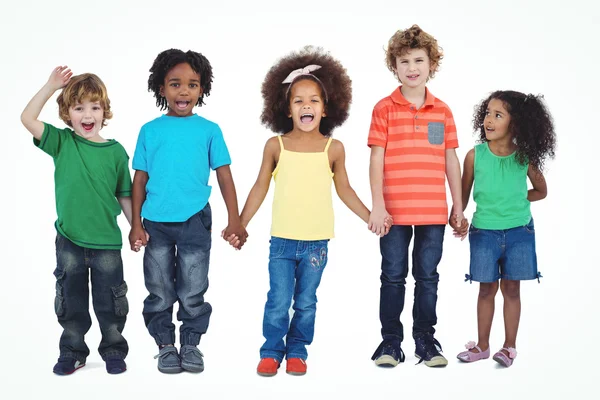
[379, 213]
[454, 181]
[29, 117]
[342, 184]
[125, 203]
[137, 234]
[261, 186]
[234, 227]
[540, 189]
[468, 177]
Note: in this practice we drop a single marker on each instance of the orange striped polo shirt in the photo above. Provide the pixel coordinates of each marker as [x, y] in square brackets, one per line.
[414, 170]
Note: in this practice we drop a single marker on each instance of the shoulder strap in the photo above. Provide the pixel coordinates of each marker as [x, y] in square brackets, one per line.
[327, 145]
[280, 141]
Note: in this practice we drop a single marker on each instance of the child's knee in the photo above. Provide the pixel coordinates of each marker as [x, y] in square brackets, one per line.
[511, 289]
[488, 290]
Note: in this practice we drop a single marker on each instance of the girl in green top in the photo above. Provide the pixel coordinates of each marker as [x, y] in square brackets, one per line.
[517, 136]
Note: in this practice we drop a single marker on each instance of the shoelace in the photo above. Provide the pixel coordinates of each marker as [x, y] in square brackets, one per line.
[172, 349]
[431, 346]
[193, 350]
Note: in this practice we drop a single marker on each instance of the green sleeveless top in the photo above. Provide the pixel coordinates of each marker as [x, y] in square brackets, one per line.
[500, 191]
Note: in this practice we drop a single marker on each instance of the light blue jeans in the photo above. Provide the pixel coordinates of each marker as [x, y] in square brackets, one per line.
[295, 269]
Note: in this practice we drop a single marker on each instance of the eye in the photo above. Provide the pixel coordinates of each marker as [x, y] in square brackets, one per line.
[498, 116]
[96, 108]
[487, 113]
[193, 85]
[403, 62]
[315, 100]
[297, 101]
[174, 85]
[78, 108]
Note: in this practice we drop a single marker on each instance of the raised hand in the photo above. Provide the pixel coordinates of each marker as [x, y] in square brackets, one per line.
[59, 77]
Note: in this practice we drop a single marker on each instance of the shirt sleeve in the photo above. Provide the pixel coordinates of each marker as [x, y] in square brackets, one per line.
[378, 132]
[450, 131]
[123, 176]
[51, 140]
[218, 154]
[139, 156]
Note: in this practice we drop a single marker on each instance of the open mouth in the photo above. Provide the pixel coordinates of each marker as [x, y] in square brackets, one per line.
[182, 105]
[488, 129]
[307, 118]
[412, 76]
[88, 127]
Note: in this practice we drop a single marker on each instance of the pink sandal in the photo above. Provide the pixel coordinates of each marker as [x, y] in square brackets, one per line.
[470, 356]
[505, 360]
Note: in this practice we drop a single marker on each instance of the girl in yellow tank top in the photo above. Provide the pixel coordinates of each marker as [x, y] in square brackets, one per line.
[306, 95]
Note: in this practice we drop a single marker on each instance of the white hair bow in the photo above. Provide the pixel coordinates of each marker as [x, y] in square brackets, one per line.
[299, 72]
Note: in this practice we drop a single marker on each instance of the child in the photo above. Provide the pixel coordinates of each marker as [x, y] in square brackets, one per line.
[92, 186]
[306, 95]
[172, 162]
[413, 140]
[517, 135]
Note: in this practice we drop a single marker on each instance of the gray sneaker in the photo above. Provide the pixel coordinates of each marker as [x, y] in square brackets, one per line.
[191, 358]
[168, 360]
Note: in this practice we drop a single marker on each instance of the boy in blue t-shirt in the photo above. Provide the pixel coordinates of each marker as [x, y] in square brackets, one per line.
[172, 163]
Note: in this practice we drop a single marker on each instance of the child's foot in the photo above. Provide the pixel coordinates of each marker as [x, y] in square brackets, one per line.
[267, 367]
[295, 366]
[427, 350]
[115, 365]
[66, 366]
[473, 353]
[505, 356]
[388, 354]
[168, 360]
[191, 358]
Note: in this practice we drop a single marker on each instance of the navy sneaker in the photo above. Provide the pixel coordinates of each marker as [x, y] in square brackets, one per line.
[388, 354]
[191, 358]
[427, 350]
[66, 366]
[115, 365]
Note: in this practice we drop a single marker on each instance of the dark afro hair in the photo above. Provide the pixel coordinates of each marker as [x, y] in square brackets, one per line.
[530, 124]
[332, 76]
[169, 59]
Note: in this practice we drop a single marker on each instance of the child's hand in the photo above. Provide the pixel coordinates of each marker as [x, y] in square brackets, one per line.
[59, 77]
[460, 230]
[235, 234]
[377, 221]
[138, 237]
[388, 223]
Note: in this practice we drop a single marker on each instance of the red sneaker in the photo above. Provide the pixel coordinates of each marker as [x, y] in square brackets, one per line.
[295, 366]
[267, 367]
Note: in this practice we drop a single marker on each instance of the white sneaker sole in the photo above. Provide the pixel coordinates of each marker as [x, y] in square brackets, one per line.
[386, 361]
[437, 361]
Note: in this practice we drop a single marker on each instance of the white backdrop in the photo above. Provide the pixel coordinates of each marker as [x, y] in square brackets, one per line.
[528, 45]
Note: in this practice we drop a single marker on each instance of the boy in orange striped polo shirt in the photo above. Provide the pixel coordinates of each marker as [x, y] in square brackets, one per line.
[413, 141]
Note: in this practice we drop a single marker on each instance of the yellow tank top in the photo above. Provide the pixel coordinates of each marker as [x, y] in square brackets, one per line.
[302, 204]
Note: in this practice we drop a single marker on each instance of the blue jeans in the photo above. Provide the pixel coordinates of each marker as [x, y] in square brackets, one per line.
[71, 303]
[176, 269]
[295, 269]
[427, 253]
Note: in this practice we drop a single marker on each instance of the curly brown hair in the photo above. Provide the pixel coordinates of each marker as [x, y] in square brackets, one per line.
[413, 38]
[83, 87]
[530, 124]
[332, 77]
[168, 59]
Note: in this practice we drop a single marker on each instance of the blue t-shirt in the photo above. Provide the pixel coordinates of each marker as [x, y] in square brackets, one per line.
[178, 154]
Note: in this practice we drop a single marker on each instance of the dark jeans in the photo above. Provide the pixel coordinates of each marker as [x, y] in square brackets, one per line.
[426, 256]
[72, 299]
[176, 269]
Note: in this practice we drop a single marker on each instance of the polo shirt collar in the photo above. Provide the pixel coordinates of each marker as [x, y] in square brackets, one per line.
[399, 98]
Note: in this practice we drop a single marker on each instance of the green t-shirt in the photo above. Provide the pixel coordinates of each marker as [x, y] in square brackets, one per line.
[88, 178]
[500, 191]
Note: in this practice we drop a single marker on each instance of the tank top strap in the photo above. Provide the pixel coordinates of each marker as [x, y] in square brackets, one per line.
[327, 145]
[280, 142]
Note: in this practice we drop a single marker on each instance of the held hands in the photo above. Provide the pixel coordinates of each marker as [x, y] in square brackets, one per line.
[459, 224]
[138, 237]
[59, 77]
[235, 234]
[380, 221]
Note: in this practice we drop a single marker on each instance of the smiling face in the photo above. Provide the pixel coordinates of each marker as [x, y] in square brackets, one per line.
[86, 119]
[413, 68]
[497, 121]
[181, 89]
[306, 105]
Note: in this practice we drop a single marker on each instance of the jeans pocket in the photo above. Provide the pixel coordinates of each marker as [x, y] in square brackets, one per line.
[59, 300]
[276, 248]
[318, 254]
[205, 216]
[120, 300]
[435, 132]
[530, 228]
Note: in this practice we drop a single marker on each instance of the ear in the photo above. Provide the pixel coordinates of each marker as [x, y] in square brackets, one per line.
[161, 90]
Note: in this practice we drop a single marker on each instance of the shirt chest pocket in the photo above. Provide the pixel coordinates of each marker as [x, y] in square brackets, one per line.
[435, 132]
